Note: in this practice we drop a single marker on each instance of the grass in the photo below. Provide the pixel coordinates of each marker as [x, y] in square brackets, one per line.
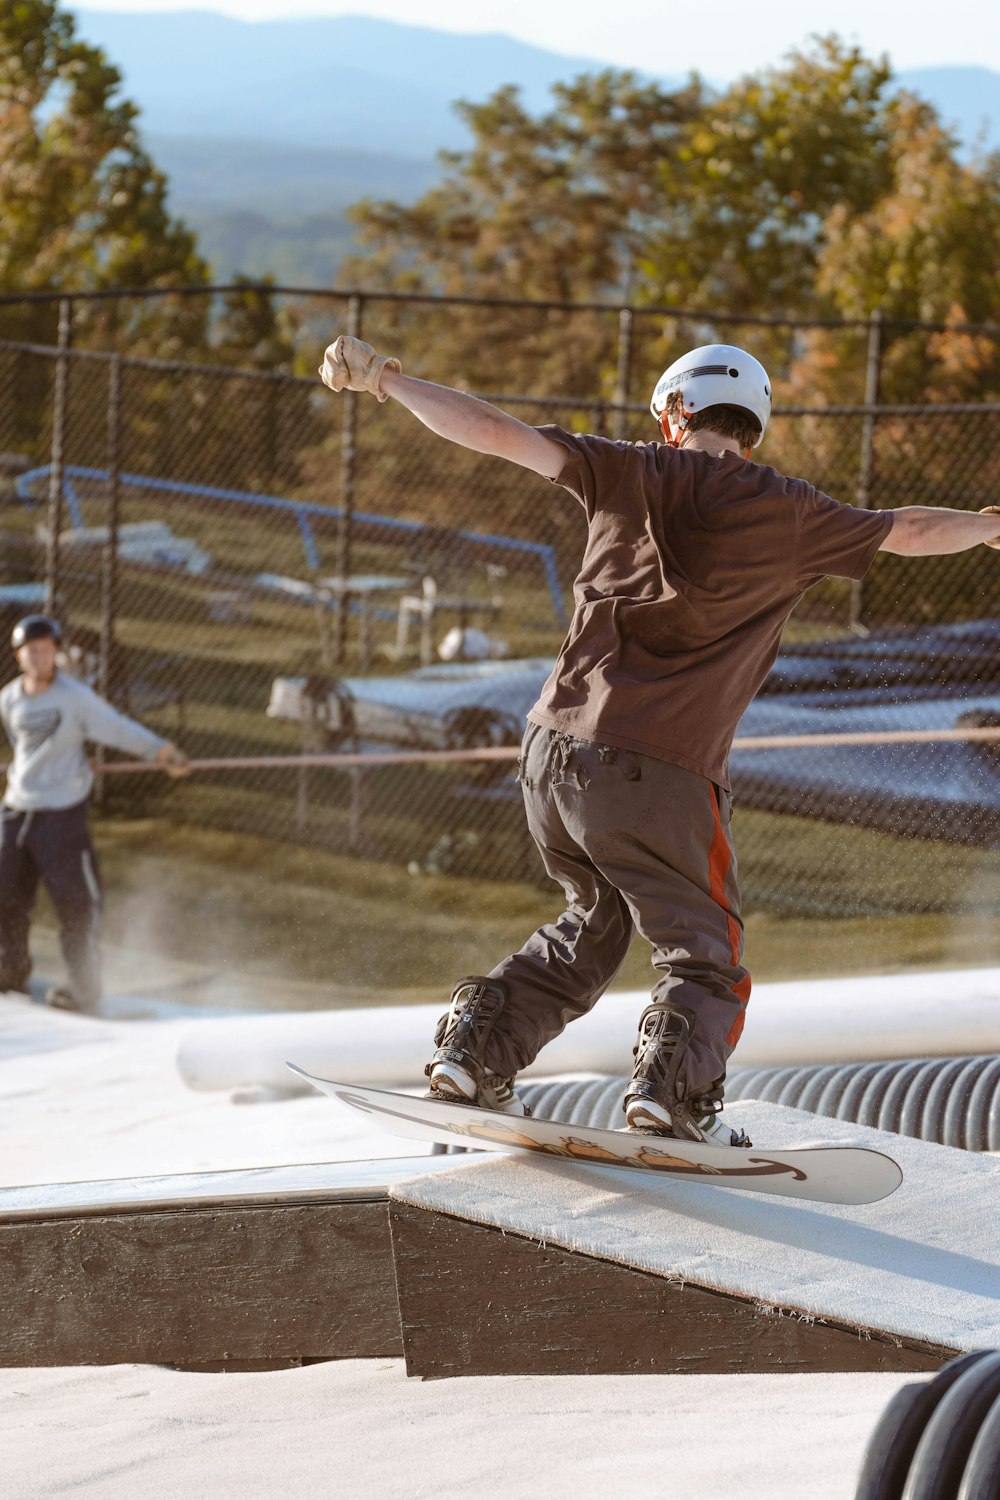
[282, 926]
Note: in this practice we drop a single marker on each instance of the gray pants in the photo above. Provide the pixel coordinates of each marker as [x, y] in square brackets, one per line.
[636, 844]
[52, 845]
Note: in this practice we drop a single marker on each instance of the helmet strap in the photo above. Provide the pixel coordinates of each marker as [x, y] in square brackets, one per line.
[668, 436]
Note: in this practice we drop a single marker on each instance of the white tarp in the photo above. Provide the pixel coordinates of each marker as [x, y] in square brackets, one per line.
[819, 1020]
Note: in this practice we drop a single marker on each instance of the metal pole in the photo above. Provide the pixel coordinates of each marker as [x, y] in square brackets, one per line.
[347, 479]
[60, 397]
[109, 560]
[866, 471]
[624, 371]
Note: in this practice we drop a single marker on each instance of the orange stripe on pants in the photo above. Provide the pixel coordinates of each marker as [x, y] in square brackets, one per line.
[720, 858]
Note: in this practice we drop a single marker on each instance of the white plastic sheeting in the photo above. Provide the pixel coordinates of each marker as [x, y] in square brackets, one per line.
[825, 1020]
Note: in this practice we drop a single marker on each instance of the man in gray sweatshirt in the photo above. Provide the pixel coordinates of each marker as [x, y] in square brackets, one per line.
[49, 718]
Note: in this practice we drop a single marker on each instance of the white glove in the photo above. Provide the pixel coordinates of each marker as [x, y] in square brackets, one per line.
[353, 365]
[992, 510]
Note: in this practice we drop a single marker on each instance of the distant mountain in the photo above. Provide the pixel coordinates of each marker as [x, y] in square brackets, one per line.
[268, 130]
[375, 85]
[278, 179]
[259, 207]
[327, 82]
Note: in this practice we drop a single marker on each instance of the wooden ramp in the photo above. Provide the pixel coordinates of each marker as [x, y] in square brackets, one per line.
[239, 1269]
[517, 1264]
[478, 1300]
[504, 1265]
[268, 1268]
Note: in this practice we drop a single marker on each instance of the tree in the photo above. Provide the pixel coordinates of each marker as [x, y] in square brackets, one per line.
[252, 331]
[927, 251]
[559, 208]
[81, 203]
[757, 175]
[811, 190]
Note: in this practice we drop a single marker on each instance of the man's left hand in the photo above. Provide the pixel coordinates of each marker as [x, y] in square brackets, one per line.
[173, 761]
[351, 364]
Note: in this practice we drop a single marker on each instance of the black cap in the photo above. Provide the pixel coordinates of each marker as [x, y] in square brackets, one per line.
[34, 628]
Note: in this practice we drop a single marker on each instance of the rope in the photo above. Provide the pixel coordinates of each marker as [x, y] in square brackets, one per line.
[345, 760]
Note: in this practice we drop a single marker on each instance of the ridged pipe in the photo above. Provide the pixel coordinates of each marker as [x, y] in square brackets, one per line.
[954, 1101]
[940, 1438]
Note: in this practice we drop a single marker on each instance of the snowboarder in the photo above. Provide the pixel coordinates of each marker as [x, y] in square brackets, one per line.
[49, 716]
[695, 558]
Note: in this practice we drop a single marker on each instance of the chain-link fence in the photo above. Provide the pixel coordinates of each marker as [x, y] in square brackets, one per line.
[257, 569]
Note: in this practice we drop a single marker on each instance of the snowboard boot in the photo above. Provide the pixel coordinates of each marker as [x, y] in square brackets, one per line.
[456, 1071]
[61, 997]
[655, 1102]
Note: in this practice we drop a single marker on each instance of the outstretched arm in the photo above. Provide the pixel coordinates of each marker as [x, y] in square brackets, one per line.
[475, 424]
[931, 531]
[352, 365]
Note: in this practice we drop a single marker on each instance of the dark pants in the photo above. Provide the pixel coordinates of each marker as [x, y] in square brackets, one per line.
[637, 844]
[52, 845]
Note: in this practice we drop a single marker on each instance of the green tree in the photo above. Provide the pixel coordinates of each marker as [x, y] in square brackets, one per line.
[252, 330]
[815, 189]
[82, 206]
[559, 207]
[928, 250]
[627, 190]
[748, 195]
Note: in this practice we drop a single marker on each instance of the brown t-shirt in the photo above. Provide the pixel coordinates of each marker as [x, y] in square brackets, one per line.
[692, 566]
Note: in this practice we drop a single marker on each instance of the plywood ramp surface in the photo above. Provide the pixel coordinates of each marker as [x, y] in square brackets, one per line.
[922, 1265]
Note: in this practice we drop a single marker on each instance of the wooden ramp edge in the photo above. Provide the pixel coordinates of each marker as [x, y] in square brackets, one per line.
[245, 1269]
[267, 1268]
[479, 1300]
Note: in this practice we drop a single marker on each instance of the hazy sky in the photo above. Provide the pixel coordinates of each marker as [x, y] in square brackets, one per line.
[737, 35]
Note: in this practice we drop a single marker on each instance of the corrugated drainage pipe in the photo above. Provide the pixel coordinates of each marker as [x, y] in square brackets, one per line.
[954, 1101]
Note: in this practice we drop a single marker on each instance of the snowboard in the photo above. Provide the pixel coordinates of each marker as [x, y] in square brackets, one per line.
[825, 1174]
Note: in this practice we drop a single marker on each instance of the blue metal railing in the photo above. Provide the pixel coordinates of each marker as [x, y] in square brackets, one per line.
[303, 511]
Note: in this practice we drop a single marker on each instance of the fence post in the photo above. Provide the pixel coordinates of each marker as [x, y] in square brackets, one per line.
[347, 481]
[866, 469]
[60, 397]
[109, 558]
[624, 372]
[109, 561]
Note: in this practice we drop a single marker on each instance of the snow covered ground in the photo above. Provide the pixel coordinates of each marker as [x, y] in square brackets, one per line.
[83, 1099]
[360, 1429]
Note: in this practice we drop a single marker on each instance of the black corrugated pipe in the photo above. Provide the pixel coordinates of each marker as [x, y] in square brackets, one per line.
[954, 1101]
[939, 1438]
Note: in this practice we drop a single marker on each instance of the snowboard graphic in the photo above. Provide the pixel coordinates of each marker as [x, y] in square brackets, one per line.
[825, 1174]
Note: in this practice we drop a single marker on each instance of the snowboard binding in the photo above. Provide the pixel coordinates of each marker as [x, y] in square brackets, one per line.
[657, 1101]
[457, 1070]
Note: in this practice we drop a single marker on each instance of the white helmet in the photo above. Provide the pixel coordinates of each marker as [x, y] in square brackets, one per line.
[714, 375]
